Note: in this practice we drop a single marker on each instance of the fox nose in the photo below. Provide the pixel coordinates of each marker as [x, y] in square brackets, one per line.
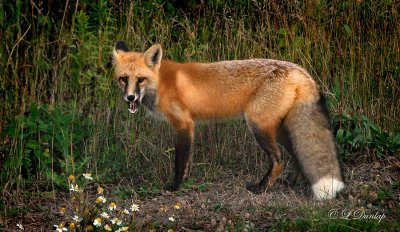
[130, 98]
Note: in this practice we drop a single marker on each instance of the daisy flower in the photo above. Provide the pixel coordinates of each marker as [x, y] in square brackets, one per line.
[88, 176]
[171, 219]
[125, 211]
[76, 218]
[63, 210]
[116, 221]
[100, 190]
[164, 208]
[107, 227]
[97, 222]
[73, 188]
[105, 215]
[112, 206]
[71, 178]
[101, 199]
[134, 207]
[125, 228]
[177, 205]
[20, 226]
[59, 228]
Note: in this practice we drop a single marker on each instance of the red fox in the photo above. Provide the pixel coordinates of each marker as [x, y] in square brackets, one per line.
[281, 103]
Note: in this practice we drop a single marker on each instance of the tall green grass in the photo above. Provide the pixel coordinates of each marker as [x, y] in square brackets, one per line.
[58, 58]
[62, 51]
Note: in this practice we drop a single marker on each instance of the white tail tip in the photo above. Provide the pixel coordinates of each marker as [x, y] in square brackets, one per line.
[327, 187]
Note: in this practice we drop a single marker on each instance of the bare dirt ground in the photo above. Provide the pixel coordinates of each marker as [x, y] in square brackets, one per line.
[372, 193]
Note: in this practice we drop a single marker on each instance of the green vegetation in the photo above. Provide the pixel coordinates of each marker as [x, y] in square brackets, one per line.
[360, 134]
[61, 112]
[40, 138]
[337, 225]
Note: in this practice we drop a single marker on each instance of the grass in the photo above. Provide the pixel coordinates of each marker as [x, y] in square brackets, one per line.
[62, 113]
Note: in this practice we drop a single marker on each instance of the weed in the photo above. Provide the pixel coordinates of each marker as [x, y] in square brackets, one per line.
[147, 192]
[337, 225]
[46, 141]
[360, 134]
[83, 214]
[85, 211]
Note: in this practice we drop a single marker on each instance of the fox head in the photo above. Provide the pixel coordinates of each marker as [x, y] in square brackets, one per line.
[137, 74]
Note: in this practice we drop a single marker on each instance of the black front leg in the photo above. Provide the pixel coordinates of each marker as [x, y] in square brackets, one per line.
[183, 157]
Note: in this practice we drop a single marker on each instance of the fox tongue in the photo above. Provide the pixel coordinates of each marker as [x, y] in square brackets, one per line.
[132, 107]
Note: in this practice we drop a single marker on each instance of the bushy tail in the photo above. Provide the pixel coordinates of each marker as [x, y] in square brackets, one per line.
[314, 147]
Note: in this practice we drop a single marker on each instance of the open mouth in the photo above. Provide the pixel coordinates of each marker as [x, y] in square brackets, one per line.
[132, 107]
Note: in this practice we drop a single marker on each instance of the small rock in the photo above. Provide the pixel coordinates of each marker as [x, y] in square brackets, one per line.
[373, 197]
[165, 193]
[230, 224]
[223, 221]
[190, 210]
[369, 206]
[391, 205]
[267, 214]
[376, 165]
[213, 222]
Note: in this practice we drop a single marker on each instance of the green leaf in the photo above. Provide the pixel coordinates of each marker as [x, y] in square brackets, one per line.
[282, 31]
[33, 144]
[346, 28]
[339, 135]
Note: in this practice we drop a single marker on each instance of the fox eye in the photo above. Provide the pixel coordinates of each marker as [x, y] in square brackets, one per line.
[141, 79]
[124, 79]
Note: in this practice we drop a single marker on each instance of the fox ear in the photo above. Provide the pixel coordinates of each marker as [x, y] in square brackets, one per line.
[119, 46]
[115, 56]
[153, 55]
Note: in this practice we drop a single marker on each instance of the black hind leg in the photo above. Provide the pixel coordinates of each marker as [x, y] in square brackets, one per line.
[266, 139]
[296, 176]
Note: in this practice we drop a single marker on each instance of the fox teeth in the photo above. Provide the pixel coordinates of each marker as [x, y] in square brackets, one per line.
[132, 107]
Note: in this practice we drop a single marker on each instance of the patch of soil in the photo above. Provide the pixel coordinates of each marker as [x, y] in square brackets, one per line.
[225, 204]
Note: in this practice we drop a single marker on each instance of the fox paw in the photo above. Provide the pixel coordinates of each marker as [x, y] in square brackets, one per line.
[172, 187]
[255, 188]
